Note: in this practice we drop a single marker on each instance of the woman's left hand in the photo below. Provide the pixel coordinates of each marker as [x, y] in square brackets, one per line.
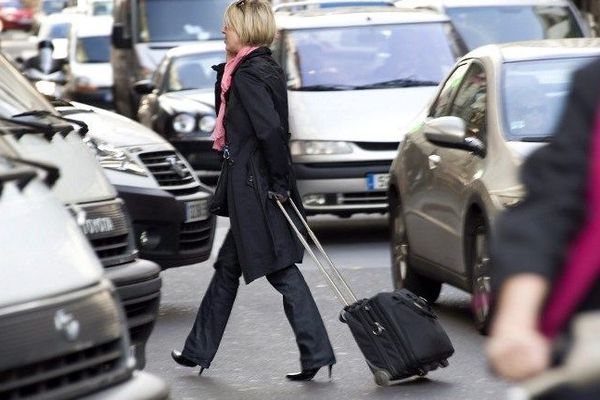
[282, 198]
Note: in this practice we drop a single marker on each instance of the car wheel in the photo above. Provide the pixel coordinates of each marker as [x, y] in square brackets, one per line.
[403, 276]
[481, 284]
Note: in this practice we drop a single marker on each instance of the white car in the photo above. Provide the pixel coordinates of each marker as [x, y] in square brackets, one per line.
[89, 73]
[356, 77]
[482, 22]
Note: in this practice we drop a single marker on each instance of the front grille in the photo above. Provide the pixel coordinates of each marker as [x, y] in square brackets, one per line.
[107, 228]
[40, 362]
[375, 146]
[141, 314]
[362, 198]
[171, 172]
[194, 235]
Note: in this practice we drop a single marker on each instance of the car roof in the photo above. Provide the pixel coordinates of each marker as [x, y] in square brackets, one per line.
[439, 4]
[316, 4]
[100, 25]
[207, 46]
[538, 50]
[354, 16]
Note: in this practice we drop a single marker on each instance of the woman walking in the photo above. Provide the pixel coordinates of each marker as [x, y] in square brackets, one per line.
[252, 133]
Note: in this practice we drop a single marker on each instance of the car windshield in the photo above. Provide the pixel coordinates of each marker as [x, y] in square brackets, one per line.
[16, 93]
[55, 31]
[53, 6]
[534, 95]
[484, 25]
[375, 56]
[193, 72]
[188, 20]
[93, 49]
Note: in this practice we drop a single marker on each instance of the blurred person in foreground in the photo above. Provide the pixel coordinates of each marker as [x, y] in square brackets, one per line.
[252, 134]
[546, 251]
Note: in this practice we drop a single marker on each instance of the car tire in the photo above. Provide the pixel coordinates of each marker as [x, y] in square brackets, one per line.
[478, 258]
[403, 275]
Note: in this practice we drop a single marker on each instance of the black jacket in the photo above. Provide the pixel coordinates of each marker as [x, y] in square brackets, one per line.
[535, 236]
[256, 129]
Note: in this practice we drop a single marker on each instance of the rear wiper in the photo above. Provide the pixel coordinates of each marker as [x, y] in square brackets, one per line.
[323, 88]
[402, 83]
[83, 128]
[535, 139]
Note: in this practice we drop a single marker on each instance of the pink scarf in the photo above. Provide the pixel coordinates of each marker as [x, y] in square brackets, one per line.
[582, 267]
[219, 133]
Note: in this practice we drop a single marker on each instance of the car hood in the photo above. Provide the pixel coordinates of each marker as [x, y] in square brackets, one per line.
[523, 149]
[100, 74]
[192, 101]
[115, 129]
[355, 115]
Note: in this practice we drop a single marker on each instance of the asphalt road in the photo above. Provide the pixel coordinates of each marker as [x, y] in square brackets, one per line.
[259, 348]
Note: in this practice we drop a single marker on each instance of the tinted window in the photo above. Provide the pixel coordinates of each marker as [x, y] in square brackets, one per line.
[180, 20]
[93, 49]
[470, 101]
[364, 55]
[452, 84]
[484, 25]
[193, 72]
[534, 94]
[55, 31]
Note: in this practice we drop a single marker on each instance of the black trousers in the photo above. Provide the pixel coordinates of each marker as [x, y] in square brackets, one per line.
[300, 308]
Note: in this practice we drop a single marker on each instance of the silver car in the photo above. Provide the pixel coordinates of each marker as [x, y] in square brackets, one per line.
[458, 166]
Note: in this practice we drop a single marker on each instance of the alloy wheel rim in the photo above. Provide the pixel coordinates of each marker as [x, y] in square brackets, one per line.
[481, 299]
[400, 247]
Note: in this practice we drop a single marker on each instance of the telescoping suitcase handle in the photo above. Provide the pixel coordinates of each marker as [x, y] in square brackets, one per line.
[341, 289]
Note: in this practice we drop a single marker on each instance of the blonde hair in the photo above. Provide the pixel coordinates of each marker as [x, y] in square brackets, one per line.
[252, 20]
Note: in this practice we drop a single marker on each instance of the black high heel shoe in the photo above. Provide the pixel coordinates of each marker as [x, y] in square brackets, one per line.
[182, 360]
[307, 374]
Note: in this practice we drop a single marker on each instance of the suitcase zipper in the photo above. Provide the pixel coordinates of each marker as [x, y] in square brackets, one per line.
[377, 329]
[406, 350]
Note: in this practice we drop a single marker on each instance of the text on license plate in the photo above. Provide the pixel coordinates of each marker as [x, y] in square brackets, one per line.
[377, 181]
[196, 210]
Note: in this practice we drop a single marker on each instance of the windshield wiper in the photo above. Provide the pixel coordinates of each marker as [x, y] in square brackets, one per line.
[400, 83]
[324, 88]
[52, 172]
[83, 127]
[535, 139]
[48, 130]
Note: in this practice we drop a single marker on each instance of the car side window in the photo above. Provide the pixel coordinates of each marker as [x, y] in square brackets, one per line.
[158, 78]
[440, 105]
[470, 101]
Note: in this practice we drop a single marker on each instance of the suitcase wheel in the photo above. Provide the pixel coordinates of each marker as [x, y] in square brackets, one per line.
[444, 363]
[382, 377]
[343, 316]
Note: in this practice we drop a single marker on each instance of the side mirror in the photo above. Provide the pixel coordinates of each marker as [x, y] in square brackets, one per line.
[451, 132]
[118, 37]
[143, 87]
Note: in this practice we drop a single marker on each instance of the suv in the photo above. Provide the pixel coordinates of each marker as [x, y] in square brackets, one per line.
[356, 76]
[482, 22]
[36, 132]
[167, 203]
[141, 38]
[62, 329]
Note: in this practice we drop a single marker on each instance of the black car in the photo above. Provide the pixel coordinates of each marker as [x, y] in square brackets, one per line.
[178, 103]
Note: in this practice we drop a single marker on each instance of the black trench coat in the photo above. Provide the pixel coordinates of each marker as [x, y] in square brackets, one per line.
[256, 128]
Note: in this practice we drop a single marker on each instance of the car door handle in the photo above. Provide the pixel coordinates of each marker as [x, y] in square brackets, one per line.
[434, 160]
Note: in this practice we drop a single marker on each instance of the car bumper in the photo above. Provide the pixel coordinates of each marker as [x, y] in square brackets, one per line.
[161, 231]
[138, 285]
[103, 97]
[141, 386]
[341, 188]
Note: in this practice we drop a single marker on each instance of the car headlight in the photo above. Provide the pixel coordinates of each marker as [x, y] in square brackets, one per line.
[184, 123]
[318, 147]
[110, 157]
[207, 123]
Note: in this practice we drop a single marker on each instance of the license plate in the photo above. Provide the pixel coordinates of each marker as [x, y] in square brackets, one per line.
[196, 210]
[378, 181]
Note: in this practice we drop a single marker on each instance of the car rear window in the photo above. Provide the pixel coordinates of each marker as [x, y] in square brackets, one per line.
[93, 49]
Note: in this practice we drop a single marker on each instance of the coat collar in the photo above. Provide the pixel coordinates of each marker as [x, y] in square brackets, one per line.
[261, 51]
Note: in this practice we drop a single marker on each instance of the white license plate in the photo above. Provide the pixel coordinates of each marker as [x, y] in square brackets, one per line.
[377, 181]
[196, 210]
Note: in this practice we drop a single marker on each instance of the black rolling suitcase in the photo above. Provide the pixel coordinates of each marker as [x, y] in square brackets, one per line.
[398, 332]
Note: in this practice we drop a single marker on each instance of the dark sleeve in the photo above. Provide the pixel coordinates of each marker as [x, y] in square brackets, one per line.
[258, 102]
[534, 236]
